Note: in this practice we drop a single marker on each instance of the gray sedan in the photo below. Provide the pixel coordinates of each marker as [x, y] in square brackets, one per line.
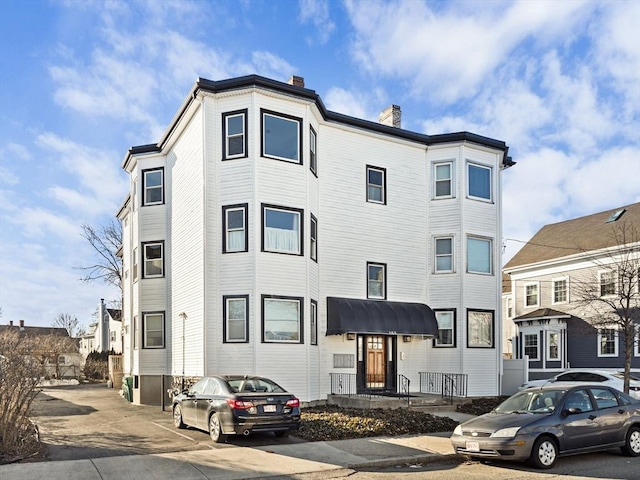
[540, 424]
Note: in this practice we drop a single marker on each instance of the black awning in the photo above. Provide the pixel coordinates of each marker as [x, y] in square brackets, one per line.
[379, 316]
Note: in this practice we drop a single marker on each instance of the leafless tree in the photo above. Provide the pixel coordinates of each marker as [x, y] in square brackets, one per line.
[106, 241]
[70, 323]
[610, 295]
[49, 348]
[19, 377]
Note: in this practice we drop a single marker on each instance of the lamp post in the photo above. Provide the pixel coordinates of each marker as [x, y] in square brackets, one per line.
[183, 316]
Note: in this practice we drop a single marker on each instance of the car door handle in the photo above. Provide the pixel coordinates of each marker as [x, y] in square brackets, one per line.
[592, 417]
[620, 411]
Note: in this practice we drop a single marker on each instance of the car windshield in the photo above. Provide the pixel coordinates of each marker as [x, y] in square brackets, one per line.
[251, 385]
[531, 401]
[620, 375]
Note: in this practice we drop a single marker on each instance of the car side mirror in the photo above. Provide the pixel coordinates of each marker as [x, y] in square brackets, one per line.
[571, 411]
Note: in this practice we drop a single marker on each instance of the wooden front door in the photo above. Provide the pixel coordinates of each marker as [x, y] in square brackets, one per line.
[376, 362]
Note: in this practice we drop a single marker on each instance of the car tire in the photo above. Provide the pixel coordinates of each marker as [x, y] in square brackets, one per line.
[215, 429]
[282, 433]
[544, 453]
[177, 417]
[632, 442]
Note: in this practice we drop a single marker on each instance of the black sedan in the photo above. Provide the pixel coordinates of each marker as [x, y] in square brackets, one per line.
[237, 405]
[542, 423]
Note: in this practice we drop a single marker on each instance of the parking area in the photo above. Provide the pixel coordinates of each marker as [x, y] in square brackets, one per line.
[92, 421]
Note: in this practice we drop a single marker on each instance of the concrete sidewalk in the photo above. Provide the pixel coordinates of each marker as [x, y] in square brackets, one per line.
[245, 462]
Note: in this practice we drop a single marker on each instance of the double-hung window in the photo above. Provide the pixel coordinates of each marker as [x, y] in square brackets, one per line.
[313, 323]
[443, 180]
[531, 295]
[446, 328]
[479, 255]
[313, 151]
[234, 126]
[282, 230]
[236, 318]
[281, 137]
[480, 328]
[479, 181]
[444, 255]
[607, 283]
[236, 234]
[313, 239]
[530, 341]
[153, 259]
[376, 184]
[153, 187]
[282, 319]
[607, 342]
[153, 330]
[560, 292]
[376, 280]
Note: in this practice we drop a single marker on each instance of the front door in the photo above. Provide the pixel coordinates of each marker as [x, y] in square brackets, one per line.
[376, 362]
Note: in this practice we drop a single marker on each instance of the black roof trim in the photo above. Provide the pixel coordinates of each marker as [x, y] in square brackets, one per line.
[218, 86]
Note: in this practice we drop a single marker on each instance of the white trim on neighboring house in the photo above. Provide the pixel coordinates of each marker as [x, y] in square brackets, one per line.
[602, 340]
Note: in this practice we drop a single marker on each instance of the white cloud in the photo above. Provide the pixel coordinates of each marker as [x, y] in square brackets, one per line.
[317, 13]
[356, 103]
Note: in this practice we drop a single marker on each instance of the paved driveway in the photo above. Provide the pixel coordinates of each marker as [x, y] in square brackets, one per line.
[90, 421]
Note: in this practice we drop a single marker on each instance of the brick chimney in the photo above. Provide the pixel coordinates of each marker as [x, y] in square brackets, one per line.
[21, 323]
[296, 81]
[391, 116]
[11, 323]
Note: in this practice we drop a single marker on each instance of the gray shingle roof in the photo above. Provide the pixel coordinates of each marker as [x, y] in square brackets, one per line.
[572, 237]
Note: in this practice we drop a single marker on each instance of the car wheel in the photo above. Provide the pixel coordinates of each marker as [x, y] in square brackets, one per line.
[282, 433]
[632, 442]
[544, 453]
[215, 429]
[177, 417]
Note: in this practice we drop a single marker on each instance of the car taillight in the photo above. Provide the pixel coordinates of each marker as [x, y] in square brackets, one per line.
[239, 404]
[293, 403]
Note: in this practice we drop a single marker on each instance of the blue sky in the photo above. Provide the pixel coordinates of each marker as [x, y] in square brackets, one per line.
[82, 81]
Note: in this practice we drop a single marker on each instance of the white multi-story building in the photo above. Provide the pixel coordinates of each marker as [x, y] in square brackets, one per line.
[264, 234]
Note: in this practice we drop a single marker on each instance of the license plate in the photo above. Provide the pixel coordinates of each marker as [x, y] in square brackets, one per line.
[473, 446]
[269, 408]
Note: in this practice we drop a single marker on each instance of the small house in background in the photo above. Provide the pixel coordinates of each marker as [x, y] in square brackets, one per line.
[547, 276]
[104, 335]
[58, 353]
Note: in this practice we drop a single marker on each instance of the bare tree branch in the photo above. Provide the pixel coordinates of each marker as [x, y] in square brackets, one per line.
[106, 242]
[70, 323]
[609, 296]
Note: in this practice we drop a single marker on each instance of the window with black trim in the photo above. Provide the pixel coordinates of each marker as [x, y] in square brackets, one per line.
[282, 229]
[446, 328]
[281, 136]
[153, 259]
[153, 330]
[282, 319]
[313, 236]
[479, 181]
[236, 234]
[443, 180]
[313, 145]
[444, 254]
[376, 280]
[376, 184]
[480, 328]
[236, 318]
[313, 322]
[153, 187]
[234, 125]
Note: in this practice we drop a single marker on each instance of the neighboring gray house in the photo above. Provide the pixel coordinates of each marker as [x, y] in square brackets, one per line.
[264, 234]
[552, 325]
